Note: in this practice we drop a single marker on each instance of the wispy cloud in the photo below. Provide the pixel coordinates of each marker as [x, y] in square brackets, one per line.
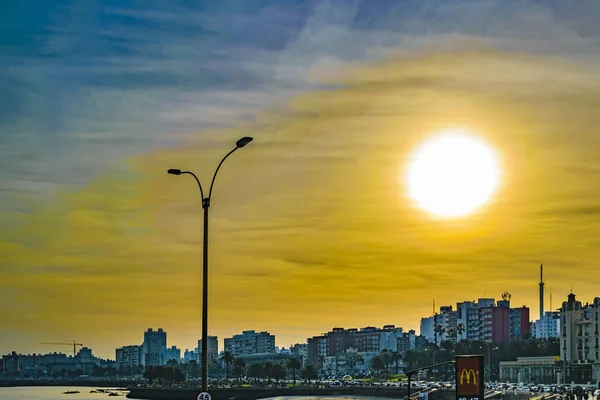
[101, 99]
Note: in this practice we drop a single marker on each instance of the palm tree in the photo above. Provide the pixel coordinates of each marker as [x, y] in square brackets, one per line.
[227, 358]
[238, 367]
[321, 362]
[309, 373]
[439, 331]
[294, 364]
[386, 358]
[460, 329]
[396, 358]
[359, 359]
[377, 364]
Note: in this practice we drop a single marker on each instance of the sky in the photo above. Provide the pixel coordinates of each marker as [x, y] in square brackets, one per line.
[310, 224]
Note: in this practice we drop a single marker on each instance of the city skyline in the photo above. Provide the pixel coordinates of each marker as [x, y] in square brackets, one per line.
[294, 341]
[311, 226]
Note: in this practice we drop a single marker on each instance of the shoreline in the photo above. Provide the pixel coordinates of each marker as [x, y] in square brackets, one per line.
[100, 384]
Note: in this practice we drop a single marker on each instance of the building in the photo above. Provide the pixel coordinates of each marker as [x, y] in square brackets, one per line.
[154, 347]
[537, 370]
[519, 323]
[212, 347]
[10, 364]
[173, 353]
[367, 342]
[547, 327]
[441, 326]
[129, 356]
[579, 336]
[299, 351]
[250, 342]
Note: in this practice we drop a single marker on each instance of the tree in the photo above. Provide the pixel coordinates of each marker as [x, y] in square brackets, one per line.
[309, 373]
[278, 371]
[172, 363]
[386, 358]
[150, 374]
[255, 371]
[439, 331]
[294, 365]
[460, 329]
[239, 366]
[396, 358]
[321, 364]
[267, 370]
[377, 364]
[227, 358]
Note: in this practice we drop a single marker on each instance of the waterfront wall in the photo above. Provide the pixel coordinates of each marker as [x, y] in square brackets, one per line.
[258, 393]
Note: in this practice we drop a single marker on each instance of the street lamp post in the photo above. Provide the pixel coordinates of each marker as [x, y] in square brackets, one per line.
[205, 206]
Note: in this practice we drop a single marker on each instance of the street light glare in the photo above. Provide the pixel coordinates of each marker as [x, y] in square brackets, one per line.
[243, 141]
[174, 171]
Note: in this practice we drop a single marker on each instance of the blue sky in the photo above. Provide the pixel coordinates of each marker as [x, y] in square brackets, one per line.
[98, 98]
[88, 83]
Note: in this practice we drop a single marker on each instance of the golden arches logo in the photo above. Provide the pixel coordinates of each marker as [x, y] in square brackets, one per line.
[468, 373]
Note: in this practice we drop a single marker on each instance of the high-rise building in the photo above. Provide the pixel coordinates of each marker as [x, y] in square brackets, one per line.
[212, 347]
[129, 356]
[579, 339]
[519, 323]
[368, 340]
[172, 353]
[154, 347]
[250, 342]
[547, 327]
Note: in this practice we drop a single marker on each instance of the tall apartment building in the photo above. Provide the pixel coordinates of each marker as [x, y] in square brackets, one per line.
[154, 347]
[173, 353]
[129, 356]
[250, 342]
[483, 320]
[212, 348]
[547, 327]
[369, 340]
[520, 329]
[441, 326]
[579, 337]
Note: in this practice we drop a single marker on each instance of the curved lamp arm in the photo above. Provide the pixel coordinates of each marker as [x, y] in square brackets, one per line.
[197, 180]
[217, 170]
[175, 171]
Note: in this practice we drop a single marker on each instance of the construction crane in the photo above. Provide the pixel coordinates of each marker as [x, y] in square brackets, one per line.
[73, 343]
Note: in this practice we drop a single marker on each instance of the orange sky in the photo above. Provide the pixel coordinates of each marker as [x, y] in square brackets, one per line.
[310, 225]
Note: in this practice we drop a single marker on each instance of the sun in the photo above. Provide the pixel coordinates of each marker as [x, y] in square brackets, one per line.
[452, 174]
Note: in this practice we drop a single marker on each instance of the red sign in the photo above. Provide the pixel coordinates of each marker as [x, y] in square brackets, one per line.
[469, 376]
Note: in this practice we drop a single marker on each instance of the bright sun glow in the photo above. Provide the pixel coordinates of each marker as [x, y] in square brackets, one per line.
[453, 174]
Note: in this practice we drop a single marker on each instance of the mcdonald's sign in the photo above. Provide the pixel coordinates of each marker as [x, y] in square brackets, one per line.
[469, 378]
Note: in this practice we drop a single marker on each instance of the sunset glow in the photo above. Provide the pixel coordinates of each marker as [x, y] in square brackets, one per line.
[452, 174]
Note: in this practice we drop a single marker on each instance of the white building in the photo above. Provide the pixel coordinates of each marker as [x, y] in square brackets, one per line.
[388, 338]
[548, 326]
[129, 356]
[250, 342]
[579, 334]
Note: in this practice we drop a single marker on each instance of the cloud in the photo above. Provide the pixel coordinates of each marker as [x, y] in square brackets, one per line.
[309, 224]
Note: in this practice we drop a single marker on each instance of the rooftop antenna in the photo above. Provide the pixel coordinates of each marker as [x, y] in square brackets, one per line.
[551, 299]
[434, 306]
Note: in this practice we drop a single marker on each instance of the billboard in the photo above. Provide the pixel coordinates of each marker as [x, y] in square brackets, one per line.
[469, 378]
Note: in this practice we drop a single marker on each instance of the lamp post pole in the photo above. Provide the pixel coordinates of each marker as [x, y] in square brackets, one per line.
[205, 206]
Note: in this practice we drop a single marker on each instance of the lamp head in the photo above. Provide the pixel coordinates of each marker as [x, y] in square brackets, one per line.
[243, 141]
[174, 171]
